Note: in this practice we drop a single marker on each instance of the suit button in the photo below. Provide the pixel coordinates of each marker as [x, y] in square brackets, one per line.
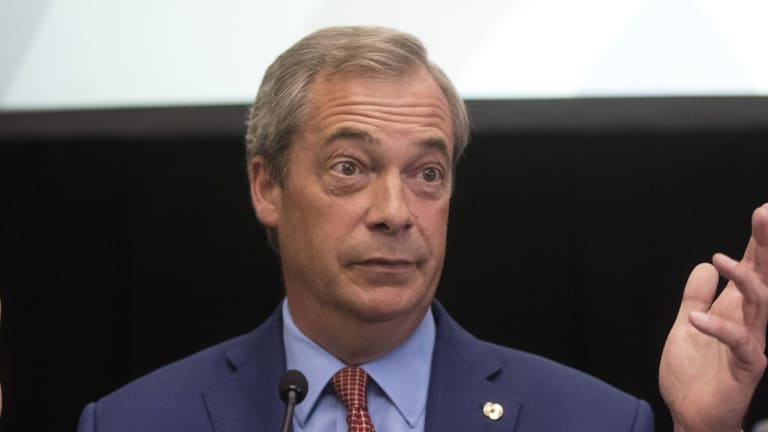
[493, 411]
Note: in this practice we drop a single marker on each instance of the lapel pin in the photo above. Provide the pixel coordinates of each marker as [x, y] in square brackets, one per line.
[493, 411]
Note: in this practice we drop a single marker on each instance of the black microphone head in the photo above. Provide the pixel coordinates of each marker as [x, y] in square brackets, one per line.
[293, 381]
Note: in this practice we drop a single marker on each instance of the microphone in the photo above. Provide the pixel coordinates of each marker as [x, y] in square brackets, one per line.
[292, 389]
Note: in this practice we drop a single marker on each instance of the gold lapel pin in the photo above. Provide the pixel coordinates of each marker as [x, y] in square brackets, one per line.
[493, 411]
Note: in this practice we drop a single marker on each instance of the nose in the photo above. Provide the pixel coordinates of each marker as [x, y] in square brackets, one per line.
[389, 211]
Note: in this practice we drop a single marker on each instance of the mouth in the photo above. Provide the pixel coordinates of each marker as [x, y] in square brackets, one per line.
[387, 264]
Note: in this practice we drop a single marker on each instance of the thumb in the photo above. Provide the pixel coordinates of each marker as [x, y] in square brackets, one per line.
[699, 291]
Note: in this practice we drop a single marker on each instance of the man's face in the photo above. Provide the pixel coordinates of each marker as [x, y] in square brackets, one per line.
[362, 216]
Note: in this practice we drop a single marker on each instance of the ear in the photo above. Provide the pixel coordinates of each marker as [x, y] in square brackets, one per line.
[265, 193]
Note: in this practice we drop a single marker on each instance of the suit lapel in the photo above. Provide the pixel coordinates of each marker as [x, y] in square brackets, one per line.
[247, 399]
[462, 382]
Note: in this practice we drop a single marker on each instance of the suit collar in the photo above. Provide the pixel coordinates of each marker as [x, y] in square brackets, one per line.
[462, 362]
[246, 399]
[402, 374]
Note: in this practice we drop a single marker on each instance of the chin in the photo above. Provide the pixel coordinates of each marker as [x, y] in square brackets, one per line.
[388, 304]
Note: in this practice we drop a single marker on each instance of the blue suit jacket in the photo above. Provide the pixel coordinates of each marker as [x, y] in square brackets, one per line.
[232, 387]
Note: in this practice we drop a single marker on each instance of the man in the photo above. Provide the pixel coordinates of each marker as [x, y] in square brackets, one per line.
[352, 144]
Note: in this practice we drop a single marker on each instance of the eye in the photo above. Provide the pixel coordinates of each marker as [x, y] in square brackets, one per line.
[346, 168]
[431, 174]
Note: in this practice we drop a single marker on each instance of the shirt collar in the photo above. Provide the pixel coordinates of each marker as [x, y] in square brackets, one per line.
[403, 374]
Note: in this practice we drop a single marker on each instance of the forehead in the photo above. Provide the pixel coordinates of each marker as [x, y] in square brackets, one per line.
[412, 103]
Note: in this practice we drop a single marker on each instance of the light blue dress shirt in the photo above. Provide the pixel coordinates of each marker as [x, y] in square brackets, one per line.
[397, 388]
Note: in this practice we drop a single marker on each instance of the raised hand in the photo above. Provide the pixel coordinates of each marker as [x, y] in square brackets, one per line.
[714, 356]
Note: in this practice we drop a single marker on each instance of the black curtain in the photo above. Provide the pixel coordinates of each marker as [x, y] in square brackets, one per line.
[127, 239]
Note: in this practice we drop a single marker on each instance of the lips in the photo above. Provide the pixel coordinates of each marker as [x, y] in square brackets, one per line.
[385, 271]
[386, 265]
[392, 263]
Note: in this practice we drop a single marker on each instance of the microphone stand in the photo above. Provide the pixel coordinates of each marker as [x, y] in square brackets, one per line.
[292, 389]
[290, 404]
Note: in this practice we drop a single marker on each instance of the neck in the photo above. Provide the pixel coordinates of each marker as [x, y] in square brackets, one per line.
[352, 340]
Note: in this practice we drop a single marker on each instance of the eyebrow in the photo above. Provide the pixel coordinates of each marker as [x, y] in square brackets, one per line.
[434, 143]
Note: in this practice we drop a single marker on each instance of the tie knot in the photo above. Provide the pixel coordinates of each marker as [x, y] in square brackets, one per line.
[350, 384]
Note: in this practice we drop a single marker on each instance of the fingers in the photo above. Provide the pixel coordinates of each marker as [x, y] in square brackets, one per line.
[738, 319]
[736, 337]
[757, 249]
[747, 280]
[699, 290]
[759, 242]
[750, 276]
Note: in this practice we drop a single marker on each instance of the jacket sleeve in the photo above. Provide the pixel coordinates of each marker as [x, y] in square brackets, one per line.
[644, 419]
[88, 419]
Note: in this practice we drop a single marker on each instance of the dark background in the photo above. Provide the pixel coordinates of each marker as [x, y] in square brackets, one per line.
[127, 239]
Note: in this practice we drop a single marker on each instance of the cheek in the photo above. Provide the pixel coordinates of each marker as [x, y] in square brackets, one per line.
[332, 221]
[432, 218]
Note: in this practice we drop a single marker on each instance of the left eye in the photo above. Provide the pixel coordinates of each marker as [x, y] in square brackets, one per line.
[346, 168]
[430, 174]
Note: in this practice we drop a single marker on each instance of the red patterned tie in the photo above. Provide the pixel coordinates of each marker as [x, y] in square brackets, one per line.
[349, 384]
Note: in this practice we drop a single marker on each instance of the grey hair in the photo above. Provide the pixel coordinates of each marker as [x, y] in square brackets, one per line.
[281, 102]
